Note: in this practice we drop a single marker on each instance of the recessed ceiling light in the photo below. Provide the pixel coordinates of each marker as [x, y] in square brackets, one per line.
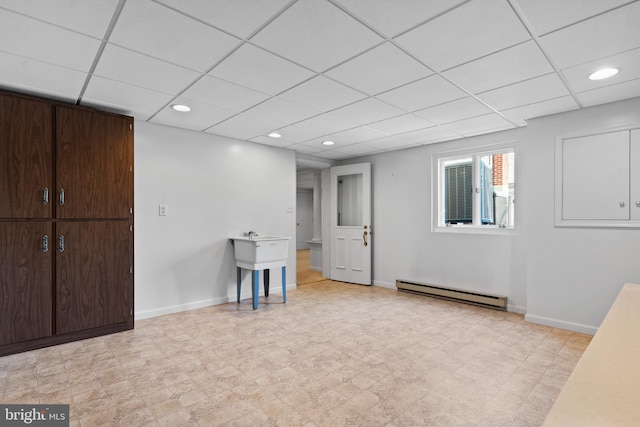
[328, 143]
[274, 135]
[604, 73]
[181, 108]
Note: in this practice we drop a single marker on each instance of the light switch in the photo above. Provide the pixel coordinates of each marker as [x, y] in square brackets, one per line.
[162, 209]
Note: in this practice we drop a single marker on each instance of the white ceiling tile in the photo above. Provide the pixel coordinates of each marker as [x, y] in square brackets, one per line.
[382, 68]
[212, 91]
[156, 30]
[391, 17]
[305, 149]
[280, 112]
[362, 148]
[316, 34]
[27, 75]
[88, 17]
[132, 100]
[322, 94]
[351, 136]
[238, 17]
[33, 39]
[506, 67]
[201, 116]
[479, 125]
[401, 124]
[460, 36]
[274, 142]
[386, 143]
[241, 127]
[430, 135]
[527, 92]
[627, 62]
[333, 155]
[612, 93]
[604, 35]
[367, 111]
[427, 92]
[257, 69]
[520, 115]
[142, 70]
[315, 127]
[565, 12]
[453, 111]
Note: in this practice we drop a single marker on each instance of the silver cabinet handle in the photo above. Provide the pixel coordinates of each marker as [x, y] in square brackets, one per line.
[61, 197]
[45, 196]
[638, 203]
[622, 204]
[61, 247]
[45, 243]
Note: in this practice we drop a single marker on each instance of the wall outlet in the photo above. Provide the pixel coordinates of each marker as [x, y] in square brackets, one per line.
[289, 209]
[162, 209]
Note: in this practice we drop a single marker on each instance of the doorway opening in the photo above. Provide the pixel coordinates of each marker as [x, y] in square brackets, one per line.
[304, 274]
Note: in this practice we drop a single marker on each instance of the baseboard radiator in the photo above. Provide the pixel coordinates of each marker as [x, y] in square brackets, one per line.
[484, 300]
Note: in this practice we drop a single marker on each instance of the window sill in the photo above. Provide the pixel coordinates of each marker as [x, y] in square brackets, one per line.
[465, 229]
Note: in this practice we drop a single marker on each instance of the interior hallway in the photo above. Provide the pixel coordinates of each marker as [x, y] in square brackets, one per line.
[335, 354]
[304, 274]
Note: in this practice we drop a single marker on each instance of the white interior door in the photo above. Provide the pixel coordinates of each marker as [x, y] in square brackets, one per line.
[350, 222]
[304, 219]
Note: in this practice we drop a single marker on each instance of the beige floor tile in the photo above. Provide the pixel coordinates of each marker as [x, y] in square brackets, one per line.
[334, 355]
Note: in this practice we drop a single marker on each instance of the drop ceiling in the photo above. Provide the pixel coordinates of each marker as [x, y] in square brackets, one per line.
[369, 75]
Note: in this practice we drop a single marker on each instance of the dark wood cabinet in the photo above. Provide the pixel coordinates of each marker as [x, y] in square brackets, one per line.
[93, 164]
[93, 275]
[66, 223]
[25, 281]
[25, 158]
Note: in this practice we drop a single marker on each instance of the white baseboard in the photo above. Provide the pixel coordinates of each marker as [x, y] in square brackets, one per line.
[384, 284]
[562, 324]
[516, 308]
[146, 314]
[246, 291]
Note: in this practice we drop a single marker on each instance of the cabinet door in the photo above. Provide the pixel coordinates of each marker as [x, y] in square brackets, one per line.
[25, 281]
[94, 283]
[635, 175]
[25, 157]
[94, 157]
[595, 177]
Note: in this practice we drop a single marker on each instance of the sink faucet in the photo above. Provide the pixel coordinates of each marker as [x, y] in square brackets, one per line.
[250, 234]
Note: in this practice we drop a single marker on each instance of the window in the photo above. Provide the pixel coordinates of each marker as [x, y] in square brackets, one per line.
[476, 189]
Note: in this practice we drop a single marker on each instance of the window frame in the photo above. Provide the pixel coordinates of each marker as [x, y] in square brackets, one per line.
[438, 193]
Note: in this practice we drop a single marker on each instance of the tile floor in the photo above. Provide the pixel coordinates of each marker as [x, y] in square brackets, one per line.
[334, 355]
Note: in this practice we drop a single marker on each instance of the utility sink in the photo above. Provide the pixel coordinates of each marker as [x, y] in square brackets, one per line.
[261, 252]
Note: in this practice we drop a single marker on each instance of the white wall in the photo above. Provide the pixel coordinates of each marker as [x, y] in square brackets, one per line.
[573, 274]
[405, 247]
[214, 188]
[560, 277]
